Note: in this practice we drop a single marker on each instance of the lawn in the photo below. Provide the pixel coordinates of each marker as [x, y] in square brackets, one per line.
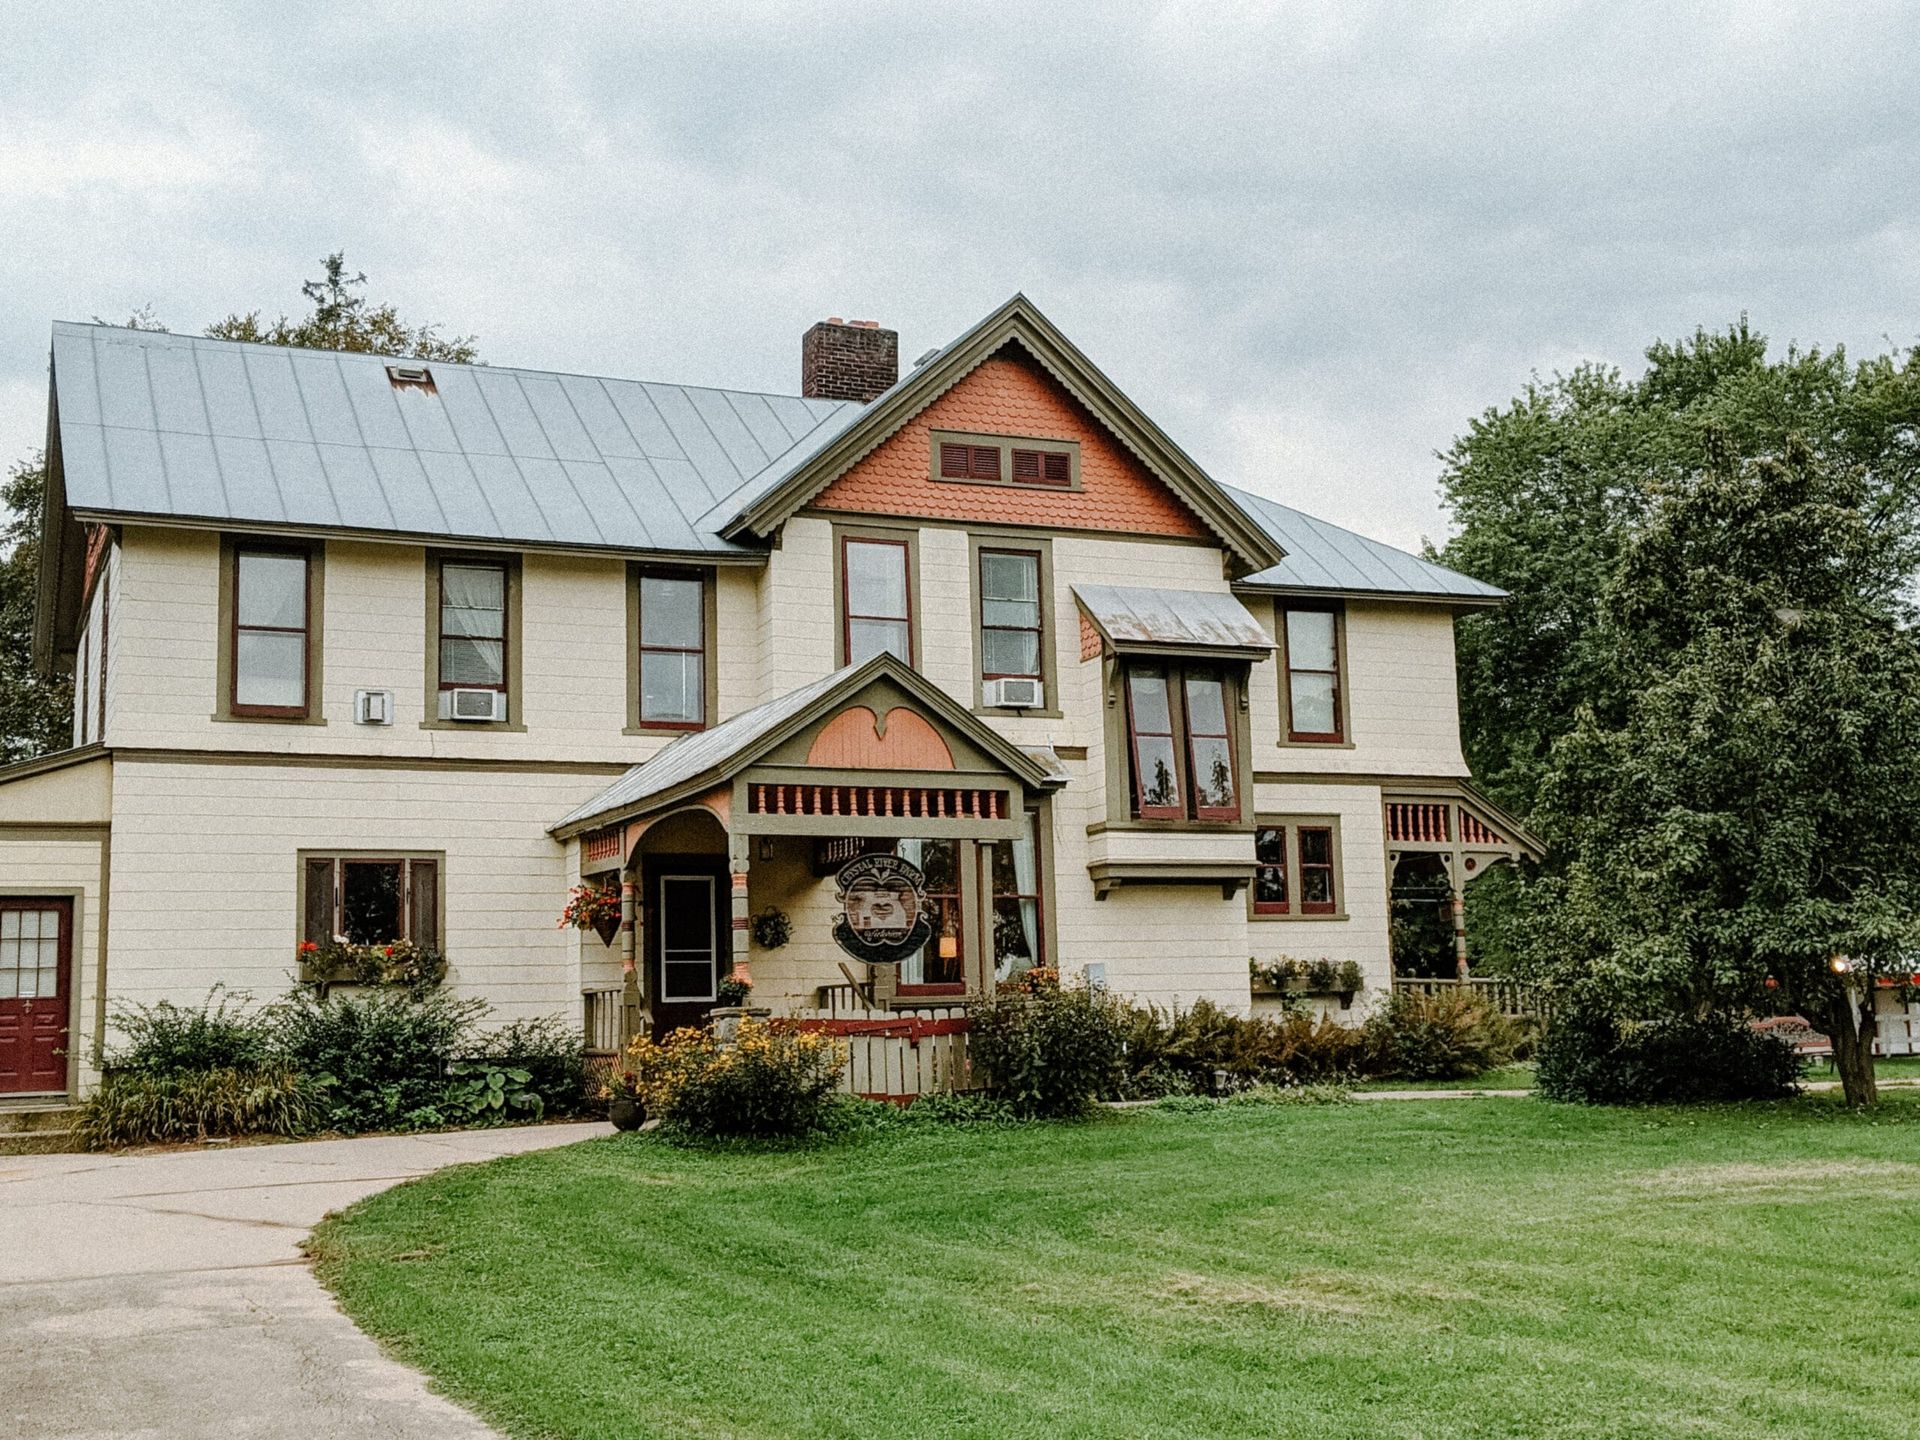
[1402, 1269]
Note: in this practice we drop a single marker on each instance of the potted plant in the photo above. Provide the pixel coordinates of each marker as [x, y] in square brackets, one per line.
[595, 908]
[735, 990]
[625, 1107]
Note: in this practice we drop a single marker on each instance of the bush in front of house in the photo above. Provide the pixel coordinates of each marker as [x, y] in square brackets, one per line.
[769, 1081]
[1053, 1052]
[1450, 1036]
[1181, 1052]
[224, 1032]
[554, 1055]
[385, 1054]
[154, 1106]
[1593, 1056]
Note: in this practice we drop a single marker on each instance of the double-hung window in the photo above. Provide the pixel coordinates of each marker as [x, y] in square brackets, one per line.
[1011, 633]
[1296, 869]
[473, 626]
[673, 651]
[271, 623]
[876, 599]
[1313, 691]
[1181, 743]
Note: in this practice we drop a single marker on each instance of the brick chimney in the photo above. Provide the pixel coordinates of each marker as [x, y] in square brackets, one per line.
[848, 360]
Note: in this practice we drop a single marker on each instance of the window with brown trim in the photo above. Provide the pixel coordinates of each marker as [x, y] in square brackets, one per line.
[1181, 742]
[1019, 921]
[1270, 893]
[1043, 467]
[876, 600]
[1316, 870]
[959, 461]
[673, 650]
[940, 968]
[1012, 638]
[473, 625]
[1313, 676]
[271, 623]
[371, 899]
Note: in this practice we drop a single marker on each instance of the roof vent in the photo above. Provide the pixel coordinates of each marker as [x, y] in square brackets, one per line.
[411, 377]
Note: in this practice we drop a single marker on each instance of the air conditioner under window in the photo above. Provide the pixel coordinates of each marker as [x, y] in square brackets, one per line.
[471, 704]
[1014, 694]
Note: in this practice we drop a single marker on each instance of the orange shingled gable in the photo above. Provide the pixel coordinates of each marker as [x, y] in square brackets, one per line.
[1009, 394]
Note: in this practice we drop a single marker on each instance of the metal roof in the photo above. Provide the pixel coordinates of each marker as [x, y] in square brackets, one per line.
[1137, 616]
[695, 754]
[1322, 558]
[184, 427]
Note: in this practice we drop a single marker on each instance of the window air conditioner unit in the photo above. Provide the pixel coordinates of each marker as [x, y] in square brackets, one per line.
[465, 704]
[1016, 694]
[373, 707]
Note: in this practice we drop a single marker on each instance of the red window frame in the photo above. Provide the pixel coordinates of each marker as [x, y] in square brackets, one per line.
[1338, 734]
[1282, 906]
[1331, 904]
[305, 631]
[506, 622]
[1208, 812]
[1038, 629]
[847, 615]
[1177, 810]
[642, 649]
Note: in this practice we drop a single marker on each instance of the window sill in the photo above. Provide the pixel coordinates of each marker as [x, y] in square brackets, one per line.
[664, 729]
[1289, 743]
[1296, 919]
[1003, 712]
[222, 718]
[498, 727]
[1191, 827]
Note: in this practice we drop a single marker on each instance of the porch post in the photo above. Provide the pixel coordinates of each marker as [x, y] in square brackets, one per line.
[739, 853]
[1456, 899]
[629, 957]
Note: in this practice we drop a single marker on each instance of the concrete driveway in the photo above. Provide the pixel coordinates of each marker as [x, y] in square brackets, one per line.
[165, 1295]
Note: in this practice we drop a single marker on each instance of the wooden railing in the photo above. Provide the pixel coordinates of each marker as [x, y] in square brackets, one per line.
[600, 1015]
[897, 1055]
[1514, 998]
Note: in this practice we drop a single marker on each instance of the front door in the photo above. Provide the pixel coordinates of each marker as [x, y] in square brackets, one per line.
[36, 946]
[687, 949]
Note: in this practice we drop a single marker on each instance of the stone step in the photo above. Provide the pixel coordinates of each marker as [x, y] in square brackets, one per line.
[37, 1127]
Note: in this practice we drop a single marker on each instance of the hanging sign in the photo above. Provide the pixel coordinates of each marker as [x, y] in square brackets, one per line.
[883, 909]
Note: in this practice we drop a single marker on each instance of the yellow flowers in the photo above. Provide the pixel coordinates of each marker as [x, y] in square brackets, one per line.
[769, 1079]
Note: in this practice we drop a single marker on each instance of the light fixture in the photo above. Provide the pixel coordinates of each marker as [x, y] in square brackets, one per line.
[1841, 964]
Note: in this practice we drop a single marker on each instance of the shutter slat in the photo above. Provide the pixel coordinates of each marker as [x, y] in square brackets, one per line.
[954, 461]
[317, 925]
[986, 462]
[1059, 467]
[1026, 464]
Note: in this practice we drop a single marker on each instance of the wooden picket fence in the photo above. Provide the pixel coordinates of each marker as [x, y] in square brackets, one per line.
[897, 1055]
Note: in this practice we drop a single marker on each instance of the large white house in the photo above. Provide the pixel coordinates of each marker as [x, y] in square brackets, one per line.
[391, 649]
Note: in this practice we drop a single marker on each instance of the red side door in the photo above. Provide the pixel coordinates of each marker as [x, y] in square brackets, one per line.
[36, 954]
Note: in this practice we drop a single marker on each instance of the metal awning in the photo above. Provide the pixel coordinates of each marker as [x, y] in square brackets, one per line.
[1139, 618]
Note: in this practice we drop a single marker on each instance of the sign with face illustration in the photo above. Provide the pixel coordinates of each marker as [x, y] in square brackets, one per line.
[883, 909]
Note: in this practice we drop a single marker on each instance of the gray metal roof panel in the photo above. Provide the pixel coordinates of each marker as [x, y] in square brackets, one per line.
[182, 426]
[1321, 556]
[694, 755]
[1199, 619]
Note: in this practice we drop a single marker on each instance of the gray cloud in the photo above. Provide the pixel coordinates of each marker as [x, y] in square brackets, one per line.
[1313, 240]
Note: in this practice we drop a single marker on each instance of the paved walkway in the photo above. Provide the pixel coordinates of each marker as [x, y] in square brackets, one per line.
[165, 1295]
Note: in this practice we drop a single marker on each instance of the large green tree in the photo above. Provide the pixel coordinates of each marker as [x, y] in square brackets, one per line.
[36, 712]
[1702, 694]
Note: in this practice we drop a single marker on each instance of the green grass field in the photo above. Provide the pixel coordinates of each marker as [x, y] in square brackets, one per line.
[1400, 1269]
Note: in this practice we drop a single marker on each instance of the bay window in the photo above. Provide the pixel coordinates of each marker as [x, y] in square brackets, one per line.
[1180, 743]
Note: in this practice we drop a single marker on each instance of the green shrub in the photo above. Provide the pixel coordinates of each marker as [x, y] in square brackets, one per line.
[967, 1107]
[1198, 1044]
[768, 1082]
[554, 1055]
[146, 1107]
[223, 1033]
[385, 1054]
[1452, 1036]
[1053, 1052]
[1588, 1055]
[482, 1092]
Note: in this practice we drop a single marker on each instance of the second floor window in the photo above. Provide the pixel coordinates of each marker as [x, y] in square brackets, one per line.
[876, 606]
[270, 633]
[473, 626]
[673, 651]
[1010, 630]
[1182, 745]
[1312, 680]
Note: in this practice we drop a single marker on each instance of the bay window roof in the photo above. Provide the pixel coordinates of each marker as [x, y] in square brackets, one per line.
[1141, 619]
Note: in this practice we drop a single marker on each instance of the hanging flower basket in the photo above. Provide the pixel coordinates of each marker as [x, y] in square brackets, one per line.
[595, 908]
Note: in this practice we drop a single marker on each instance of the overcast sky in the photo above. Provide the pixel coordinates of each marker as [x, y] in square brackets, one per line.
[1311, 240]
